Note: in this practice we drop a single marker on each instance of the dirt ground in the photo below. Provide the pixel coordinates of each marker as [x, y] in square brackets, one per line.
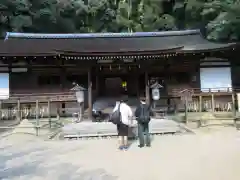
[211, 155]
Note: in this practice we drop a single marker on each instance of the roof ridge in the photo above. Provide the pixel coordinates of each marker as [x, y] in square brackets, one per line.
[99, 35]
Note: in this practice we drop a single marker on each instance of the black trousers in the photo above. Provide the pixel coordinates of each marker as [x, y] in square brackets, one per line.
[143, 134]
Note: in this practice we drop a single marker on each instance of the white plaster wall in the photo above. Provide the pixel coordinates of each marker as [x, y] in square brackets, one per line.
[218, 78]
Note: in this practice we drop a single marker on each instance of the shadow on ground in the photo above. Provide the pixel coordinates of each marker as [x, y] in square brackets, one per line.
[43, 163]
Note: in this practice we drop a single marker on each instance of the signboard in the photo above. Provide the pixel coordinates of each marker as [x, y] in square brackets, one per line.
[186, 95]
[4, 86]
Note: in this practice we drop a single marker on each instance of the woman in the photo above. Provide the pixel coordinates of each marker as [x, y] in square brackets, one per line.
[123, 126]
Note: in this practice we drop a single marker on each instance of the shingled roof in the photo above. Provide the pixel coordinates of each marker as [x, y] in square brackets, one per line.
[29, 44]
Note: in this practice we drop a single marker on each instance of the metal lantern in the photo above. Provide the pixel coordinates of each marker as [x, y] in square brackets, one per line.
[79, 91]
[156, 91]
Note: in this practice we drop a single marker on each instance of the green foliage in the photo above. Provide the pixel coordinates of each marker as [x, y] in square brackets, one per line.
[225, 22]
[221, 18]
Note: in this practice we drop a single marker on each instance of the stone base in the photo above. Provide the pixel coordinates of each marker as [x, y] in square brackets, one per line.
[193, 124]
[91, 129]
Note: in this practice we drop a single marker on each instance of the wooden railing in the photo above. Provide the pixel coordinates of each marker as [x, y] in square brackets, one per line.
[67, 95]
[41, 97]
[45, 105]
[202, 100]
[205, 91]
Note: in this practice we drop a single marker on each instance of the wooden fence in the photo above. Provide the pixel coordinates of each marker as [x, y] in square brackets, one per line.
[51, 104]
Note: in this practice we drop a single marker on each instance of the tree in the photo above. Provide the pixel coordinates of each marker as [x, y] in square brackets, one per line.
[100, 15]
[72, 16]
[225, 20]
[15, 16]
[219, 18]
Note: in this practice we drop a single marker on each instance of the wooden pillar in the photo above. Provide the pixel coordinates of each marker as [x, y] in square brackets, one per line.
[213, 103]
[200, 103]
[62, 77]
[137, 84]
[233, 105]
[62, 84]
[186, 110]
[49, 114]
[89, 94]
[147, 88]
[97, 85]
[19, 110]
[37, 118]
[1, 110]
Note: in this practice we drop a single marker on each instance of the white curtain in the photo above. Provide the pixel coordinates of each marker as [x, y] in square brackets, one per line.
[219, 79]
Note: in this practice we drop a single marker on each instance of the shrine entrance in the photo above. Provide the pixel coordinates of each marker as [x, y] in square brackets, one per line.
[117, 80]
[118, 86]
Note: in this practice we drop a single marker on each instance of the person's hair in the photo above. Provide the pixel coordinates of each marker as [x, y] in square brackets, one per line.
[142, 98]
[124, 99]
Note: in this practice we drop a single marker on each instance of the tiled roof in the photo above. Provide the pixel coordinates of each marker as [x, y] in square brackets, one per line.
[115, 43]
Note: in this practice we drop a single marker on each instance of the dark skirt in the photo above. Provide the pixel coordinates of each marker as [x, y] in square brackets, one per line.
[122, 129]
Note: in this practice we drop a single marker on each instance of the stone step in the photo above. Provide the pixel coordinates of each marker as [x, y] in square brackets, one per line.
[105, 128]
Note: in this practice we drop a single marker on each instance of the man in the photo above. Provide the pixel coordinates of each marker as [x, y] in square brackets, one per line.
[125, 121]
[143, 113]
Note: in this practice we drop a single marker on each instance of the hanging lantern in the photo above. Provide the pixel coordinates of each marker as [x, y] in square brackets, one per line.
[124, 84]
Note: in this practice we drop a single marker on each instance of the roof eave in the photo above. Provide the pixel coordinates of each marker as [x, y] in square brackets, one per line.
[98, 35]
[228, 46]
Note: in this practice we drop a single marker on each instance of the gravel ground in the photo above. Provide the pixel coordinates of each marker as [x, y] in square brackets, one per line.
[213, 156]
[7, 123]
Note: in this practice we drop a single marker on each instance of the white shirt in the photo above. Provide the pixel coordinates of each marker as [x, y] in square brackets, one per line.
[142, 102]
[126, 113]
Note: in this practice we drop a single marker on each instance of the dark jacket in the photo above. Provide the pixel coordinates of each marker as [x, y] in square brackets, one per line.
[138, 111]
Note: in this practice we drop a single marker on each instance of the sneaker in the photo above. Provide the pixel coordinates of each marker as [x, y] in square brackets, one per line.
[121, 147]
[140, 146]
[148, 145]
[125, 147]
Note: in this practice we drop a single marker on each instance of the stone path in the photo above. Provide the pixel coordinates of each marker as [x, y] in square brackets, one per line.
[212, 156]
